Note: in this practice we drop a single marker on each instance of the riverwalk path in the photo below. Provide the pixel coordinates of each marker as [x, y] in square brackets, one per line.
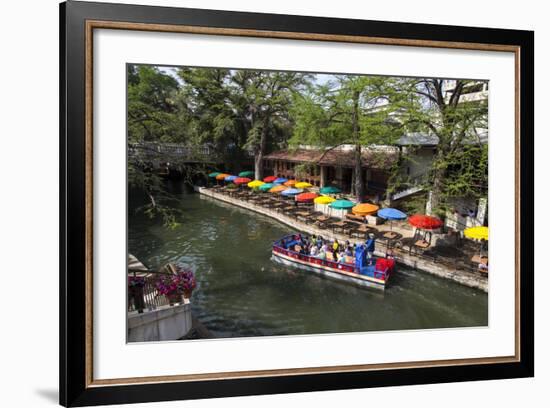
[464, 277]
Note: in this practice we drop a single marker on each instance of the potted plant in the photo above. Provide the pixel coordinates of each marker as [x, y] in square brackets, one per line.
[177, 285]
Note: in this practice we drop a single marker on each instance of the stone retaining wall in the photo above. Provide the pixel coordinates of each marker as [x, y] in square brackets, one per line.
[165, 323]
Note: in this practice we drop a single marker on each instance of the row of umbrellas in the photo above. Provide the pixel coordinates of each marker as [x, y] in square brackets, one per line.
[243, 178]
[296, 188]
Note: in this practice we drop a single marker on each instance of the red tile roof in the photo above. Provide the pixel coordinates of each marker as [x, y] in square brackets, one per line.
[377, 159]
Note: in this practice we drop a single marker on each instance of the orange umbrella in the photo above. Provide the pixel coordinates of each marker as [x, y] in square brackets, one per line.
[278, 189]
[364, 209]
[290, 183]
[222, 176]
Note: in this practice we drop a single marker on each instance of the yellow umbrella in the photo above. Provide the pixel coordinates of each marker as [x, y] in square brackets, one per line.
[221, 176]
[290, 183]
[255, 184]
[364, 209]
[477, 233]
[303, 184]
[277, 189]
[324, 200]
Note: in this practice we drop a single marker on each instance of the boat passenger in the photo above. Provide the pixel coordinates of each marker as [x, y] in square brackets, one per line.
[349, 251]
[322, 254]
[370, 246]
[335, 247]
[341, 258]
[319, 241]
[314, 250]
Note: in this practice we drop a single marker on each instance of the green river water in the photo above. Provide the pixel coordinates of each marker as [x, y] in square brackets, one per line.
[242, 292]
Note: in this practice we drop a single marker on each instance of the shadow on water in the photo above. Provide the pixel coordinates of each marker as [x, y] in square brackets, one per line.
[242, 292]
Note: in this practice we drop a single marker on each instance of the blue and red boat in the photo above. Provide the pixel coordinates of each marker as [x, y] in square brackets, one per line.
[358, 270]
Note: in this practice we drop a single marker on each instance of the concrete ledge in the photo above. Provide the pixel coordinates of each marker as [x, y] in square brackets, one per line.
[166, 323]
[464, 278]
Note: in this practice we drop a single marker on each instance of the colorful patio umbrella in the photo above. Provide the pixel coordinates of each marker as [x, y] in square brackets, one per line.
[214, 174]
[291, 191]
[481, 233]
[306, 197]
[242, 180]
[342, 204]
[246, 173]
[391, 214]
[230, 178]
[222, 176]
[330, 190]
[324, 200]
[280, 180]
[426, 222]
[290, 183]
[364, 209]
[255, 184]
[303, 184]
[277, 189]
[270, 179]
[266, 186]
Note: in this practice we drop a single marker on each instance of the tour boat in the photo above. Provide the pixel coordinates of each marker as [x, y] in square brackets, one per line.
[360, 270]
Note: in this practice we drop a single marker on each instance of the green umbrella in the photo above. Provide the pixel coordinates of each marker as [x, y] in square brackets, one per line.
[342, 204]
[214, 174]
[266, 186]
[247, 173]
[330, 190]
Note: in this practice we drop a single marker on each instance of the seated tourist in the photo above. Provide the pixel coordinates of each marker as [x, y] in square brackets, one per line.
[314, 250]
[483, 267]
[322, 254]
[341, 258]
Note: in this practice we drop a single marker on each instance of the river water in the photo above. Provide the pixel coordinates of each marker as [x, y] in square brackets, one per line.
[242, 292]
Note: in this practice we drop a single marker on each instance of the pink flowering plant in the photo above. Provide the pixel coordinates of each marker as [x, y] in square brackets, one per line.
[181, 282]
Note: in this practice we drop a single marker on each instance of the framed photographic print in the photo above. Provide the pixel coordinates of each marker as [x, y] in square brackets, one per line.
[255, 203]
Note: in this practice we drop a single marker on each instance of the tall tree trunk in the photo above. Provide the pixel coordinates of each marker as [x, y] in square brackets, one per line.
[437, 184]
[359, 180]
[259, 158]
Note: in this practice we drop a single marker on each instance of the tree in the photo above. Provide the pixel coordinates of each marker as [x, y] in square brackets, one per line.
[153, 116]
[352, 110]
[440, 107]
[152, 111]
[264, 99]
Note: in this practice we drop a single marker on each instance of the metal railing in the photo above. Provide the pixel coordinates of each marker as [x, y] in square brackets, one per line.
[146, 297]
[150, 151]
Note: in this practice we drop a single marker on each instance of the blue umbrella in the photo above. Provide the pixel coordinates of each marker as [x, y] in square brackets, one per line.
[391, 214]
[230, 178]
[291, 191]
[280, 180]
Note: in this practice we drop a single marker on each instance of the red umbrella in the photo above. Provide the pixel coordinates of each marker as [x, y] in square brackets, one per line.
[242, 180]
[270, 179]
[306, 197]
[425, 221]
